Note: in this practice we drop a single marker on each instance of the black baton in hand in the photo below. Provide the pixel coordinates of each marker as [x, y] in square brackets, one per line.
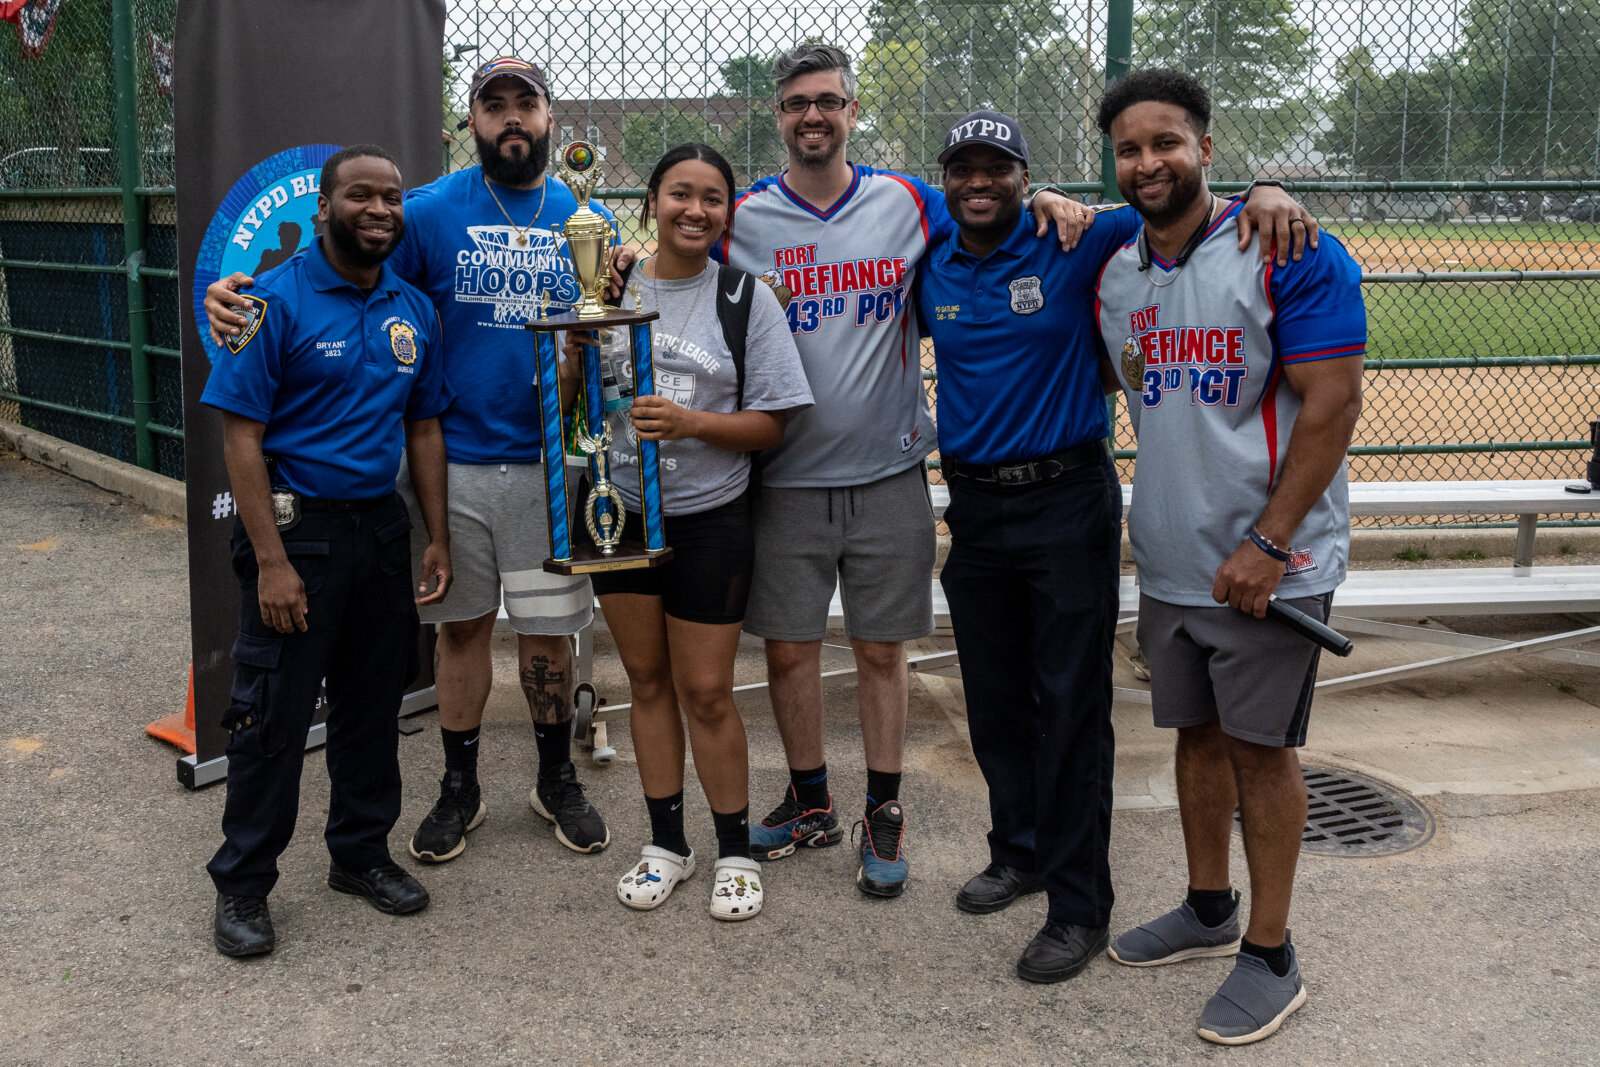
[1307, 627]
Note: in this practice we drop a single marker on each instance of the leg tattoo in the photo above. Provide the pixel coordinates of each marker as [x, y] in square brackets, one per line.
[546, 691]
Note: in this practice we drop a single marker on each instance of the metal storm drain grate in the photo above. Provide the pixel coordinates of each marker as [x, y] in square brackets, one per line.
[1350, 814]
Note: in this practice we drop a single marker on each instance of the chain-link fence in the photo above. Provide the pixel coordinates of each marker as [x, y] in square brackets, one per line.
[86, 175]
[1453, 145]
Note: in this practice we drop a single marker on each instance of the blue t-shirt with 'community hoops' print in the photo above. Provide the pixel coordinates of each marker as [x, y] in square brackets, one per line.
[462, 249]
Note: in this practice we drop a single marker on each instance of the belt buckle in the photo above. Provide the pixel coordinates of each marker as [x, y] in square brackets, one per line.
[286, 510]
[1014, 473]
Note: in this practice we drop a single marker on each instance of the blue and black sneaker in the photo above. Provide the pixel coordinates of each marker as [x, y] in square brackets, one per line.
[789, 826]
[883, 856]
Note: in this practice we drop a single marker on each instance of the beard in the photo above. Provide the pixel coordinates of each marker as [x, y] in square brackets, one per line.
[815, 159]
[1186, 189]
[513, 170]
[354, 247]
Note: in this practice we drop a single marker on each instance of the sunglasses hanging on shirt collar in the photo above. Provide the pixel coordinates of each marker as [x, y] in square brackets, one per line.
[1183, 256]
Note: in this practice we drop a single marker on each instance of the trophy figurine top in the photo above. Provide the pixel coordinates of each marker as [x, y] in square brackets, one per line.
[591, 239]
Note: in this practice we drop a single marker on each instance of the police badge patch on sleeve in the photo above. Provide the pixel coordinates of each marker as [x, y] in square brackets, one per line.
[255, 308]
[1027, 295]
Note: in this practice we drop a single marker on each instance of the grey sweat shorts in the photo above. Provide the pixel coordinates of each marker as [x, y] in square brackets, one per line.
[875, 541]
[1252, 675]
[499, 540]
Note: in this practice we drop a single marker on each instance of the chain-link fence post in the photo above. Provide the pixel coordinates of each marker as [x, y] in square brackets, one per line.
[129, 176]
[1119, 57]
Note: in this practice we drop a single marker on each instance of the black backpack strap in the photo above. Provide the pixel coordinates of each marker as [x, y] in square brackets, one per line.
[735, 294]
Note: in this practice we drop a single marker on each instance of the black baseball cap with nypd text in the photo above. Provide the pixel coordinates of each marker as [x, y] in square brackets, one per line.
[986, 128]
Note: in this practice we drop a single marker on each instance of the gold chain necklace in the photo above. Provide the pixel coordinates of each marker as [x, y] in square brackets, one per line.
[522, 231]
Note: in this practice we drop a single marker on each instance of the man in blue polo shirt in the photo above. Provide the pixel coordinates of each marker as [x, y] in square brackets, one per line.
[1035, 525]
[485, 244]
[1034, 517]
[338, 371]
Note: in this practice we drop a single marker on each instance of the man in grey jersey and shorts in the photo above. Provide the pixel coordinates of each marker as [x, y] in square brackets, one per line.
[844, 499]
[1243, 381]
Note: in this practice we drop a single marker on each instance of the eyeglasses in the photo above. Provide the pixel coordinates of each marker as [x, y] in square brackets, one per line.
[799, 105]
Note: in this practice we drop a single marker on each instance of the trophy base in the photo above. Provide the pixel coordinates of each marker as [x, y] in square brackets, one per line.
[587, 559]
[570, 320]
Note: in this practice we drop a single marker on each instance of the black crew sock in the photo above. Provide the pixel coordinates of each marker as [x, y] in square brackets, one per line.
[1275, 958]
[810, 787]
[733, 832]
[554, 740]
[1211, 906]
[666, 823]
[460, 750]
[882, 787]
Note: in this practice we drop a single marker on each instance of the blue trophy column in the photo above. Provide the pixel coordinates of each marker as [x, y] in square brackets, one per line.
[555, 454]
[644, 384]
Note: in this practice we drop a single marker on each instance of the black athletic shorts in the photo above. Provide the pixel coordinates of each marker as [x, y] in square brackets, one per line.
[708, 577]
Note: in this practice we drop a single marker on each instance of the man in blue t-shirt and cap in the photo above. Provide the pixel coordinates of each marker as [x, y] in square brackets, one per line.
[1035, 530]
[338, 371]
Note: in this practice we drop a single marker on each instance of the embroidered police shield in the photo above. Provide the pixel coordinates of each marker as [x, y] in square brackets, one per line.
[403, 340]
[1027, 295]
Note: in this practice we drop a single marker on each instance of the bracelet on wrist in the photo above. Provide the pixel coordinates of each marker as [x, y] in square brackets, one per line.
[1267, 546]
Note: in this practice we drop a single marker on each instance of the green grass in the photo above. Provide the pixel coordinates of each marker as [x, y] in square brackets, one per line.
[1467, 231]
[1568, 550]
[1567, 688]
[1466, 554]
[1458, 319]
[1412, 554]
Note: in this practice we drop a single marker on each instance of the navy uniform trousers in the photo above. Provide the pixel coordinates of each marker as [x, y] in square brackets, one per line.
[361, 637]
[1031, 580]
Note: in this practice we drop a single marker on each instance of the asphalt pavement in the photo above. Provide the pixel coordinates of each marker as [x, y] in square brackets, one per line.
[1477, 947]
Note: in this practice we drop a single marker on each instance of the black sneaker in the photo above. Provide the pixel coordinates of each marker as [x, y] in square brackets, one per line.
[559, 798]
[443, 834]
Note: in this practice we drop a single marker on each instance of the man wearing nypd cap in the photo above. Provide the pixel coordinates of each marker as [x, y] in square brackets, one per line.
[482, 243]
[1035, 525]
[338, 371]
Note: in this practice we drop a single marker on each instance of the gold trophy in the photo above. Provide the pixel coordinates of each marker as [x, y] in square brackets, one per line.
[591, 240]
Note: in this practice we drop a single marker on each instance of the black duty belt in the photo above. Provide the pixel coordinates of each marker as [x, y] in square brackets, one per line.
[322, 503]
[1030, 471]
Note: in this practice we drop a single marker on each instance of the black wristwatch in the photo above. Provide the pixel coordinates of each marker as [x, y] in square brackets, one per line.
[1245, 196]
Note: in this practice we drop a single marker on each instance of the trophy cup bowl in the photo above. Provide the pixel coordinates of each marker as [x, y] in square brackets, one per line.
[591, 239]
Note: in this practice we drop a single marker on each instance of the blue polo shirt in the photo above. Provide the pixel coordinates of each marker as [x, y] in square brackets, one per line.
[333, 372]
[1017, 343]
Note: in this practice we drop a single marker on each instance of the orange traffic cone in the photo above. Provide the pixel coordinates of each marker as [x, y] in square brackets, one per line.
[177, 729]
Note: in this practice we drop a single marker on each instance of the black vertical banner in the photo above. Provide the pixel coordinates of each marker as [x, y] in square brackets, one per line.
[264, 93]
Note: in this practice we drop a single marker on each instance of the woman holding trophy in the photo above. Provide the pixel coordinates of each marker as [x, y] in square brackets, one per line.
[677, 625]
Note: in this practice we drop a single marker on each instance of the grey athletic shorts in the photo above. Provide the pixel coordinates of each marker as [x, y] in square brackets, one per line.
[1253, 675]
[499, 540]
[875, 541]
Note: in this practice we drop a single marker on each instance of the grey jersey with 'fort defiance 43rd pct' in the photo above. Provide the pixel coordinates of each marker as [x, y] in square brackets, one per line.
[850, 269]
[1200, 351]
